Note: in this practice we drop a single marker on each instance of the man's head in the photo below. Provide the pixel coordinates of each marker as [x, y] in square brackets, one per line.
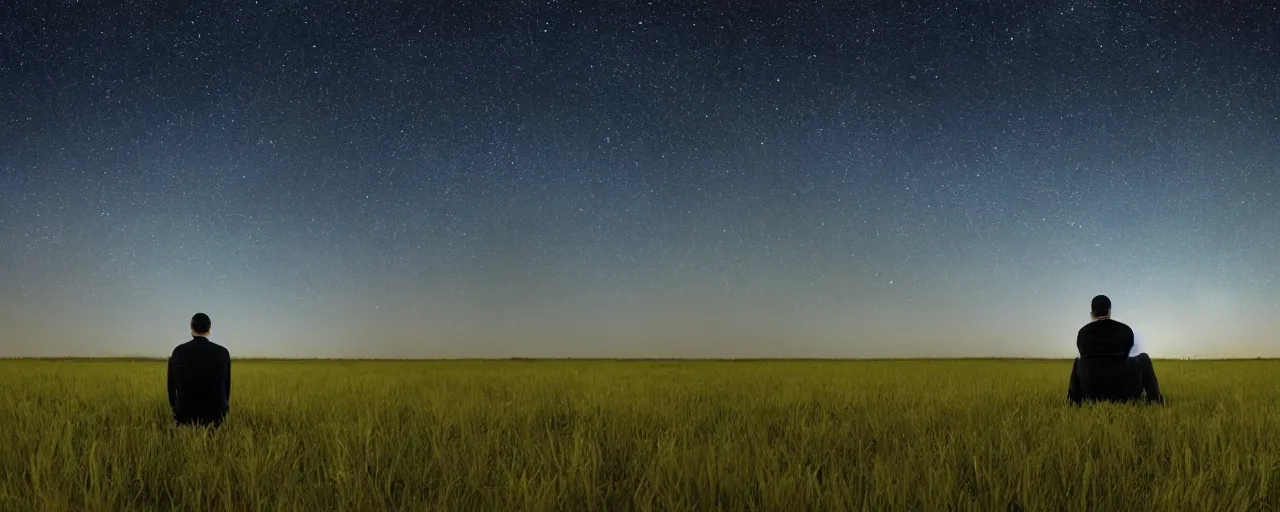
[200, 324]
[1100, 307]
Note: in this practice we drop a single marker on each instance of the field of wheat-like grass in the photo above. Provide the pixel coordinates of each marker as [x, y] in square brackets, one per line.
[615, 436]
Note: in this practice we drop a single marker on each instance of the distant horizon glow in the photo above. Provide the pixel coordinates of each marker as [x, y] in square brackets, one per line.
[635, 181]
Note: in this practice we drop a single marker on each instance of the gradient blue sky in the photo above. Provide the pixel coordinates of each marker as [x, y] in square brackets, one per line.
[402, 179]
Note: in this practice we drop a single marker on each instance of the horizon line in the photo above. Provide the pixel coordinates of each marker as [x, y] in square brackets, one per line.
[604, 359]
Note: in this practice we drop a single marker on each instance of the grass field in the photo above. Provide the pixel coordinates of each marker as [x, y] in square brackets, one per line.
[606, 436]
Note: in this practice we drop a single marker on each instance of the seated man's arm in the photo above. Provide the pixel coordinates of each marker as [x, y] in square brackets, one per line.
[173, 384]
[1075, 393]
[227, 369]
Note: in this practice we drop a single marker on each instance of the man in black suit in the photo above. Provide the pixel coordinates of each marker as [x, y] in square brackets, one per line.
[1107, 370]
[200, 378]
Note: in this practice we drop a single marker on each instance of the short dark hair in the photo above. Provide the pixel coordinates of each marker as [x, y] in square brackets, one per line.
[1101, 306]
[200, 323]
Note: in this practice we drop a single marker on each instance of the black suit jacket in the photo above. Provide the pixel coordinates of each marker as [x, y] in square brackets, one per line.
[1104, 338]
[199, 381]
[1105, 371]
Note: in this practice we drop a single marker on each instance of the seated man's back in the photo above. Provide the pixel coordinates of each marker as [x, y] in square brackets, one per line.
[200, 378]
[1105, 370]
[1104, 338]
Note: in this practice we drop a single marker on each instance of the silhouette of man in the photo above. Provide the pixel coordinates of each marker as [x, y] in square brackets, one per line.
[200, 378]
[1109, 367]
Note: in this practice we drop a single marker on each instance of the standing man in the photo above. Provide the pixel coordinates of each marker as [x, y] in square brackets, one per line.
[1108, 369]
[200, 378]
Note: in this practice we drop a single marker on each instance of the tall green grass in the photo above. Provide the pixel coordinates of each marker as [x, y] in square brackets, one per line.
[609, 436]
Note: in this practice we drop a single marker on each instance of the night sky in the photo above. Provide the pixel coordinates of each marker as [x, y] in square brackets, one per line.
[652, 179]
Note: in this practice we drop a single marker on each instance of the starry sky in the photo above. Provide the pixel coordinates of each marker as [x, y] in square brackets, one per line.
[638, 179]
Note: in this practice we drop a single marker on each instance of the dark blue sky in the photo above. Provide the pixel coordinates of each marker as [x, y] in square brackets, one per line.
[638, 179]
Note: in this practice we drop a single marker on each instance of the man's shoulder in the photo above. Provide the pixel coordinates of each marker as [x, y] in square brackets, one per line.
[220, 349]
[1106, 323]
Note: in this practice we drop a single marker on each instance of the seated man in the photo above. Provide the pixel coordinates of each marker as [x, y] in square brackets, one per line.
[1108, 368]
[200, 378]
